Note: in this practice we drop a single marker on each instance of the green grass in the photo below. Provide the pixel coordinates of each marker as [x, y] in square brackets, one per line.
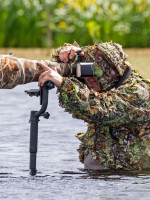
[139, 58]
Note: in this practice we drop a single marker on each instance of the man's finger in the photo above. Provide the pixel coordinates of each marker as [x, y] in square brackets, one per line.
[43, 80]
[43, 74]
[66, 56]
[82, 53]
[46, 68]
[61, 56]
[54, 68]
[72, 53]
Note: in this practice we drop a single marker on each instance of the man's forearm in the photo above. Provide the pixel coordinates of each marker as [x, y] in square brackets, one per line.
[15, 71]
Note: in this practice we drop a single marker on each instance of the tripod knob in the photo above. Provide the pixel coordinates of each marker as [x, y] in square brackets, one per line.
[50, 85]
[33, 92]
[46, 115]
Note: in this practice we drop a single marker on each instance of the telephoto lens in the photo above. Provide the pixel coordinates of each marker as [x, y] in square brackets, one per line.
[83, 69]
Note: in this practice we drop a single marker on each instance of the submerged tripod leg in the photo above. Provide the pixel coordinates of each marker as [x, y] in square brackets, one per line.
[33, 141]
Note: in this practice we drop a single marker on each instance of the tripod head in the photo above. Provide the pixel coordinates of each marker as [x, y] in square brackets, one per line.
[43, 93]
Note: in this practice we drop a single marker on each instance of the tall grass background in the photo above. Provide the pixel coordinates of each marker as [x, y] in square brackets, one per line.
[47, 23]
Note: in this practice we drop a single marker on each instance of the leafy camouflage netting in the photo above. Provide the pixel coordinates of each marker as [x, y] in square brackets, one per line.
[118, 135]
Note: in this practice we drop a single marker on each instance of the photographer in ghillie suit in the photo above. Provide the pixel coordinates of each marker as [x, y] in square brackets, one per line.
[115, 103]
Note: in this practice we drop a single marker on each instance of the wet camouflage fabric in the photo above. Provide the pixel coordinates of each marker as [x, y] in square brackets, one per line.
[118, 134]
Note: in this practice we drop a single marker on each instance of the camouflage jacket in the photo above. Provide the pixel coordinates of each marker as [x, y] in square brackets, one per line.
[118, 134]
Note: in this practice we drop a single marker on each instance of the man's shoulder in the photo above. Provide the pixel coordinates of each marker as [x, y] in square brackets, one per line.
[137, 87]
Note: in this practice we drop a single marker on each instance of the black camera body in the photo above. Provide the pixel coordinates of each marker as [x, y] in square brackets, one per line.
[83, 69]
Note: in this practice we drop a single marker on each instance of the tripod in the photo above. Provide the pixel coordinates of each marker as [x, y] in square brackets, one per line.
[34, 119]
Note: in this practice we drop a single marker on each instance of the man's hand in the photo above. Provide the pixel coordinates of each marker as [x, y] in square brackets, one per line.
[68, 52]
[49, 75]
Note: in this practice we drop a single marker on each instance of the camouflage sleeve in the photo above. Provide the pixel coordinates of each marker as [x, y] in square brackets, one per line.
[115, 106]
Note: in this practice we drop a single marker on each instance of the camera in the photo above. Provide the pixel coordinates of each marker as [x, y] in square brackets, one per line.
[83, 69]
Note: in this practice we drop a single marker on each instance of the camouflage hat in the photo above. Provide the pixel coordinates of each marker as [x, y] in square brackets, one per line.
[116, 55]
[110, 62]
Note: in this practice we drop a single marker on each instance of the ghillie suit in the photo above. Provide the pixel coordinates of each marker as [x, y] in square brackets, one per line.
[118, 134]
[15, 71]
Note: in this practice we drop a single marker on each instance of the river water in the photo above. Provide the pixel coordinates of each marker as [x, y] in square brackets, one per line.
[60, 174]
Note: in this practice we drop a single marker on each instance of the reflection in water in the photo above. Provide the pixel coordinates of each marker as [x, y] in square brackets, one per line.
[79, 184]
[108, 174]
[5, 175]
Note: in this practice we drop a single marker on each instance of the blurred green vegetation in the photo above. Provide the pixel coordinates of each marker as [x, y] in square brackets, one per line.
[48, 23]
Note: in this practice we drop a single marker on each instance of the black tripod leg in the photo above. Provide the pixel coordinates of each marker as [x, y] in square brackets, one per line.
[33, 141]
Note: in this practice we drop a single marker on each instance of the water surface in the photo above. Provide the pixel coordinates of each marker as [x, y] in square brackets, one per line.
[60, 174]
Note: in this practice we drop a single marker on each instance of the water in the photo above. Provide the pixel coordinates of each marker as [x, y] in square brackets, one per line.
[60, 174]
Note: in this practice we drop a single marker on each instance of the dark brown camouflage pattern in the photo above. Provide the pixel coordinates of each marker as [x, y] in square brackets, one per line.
[118, 134]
